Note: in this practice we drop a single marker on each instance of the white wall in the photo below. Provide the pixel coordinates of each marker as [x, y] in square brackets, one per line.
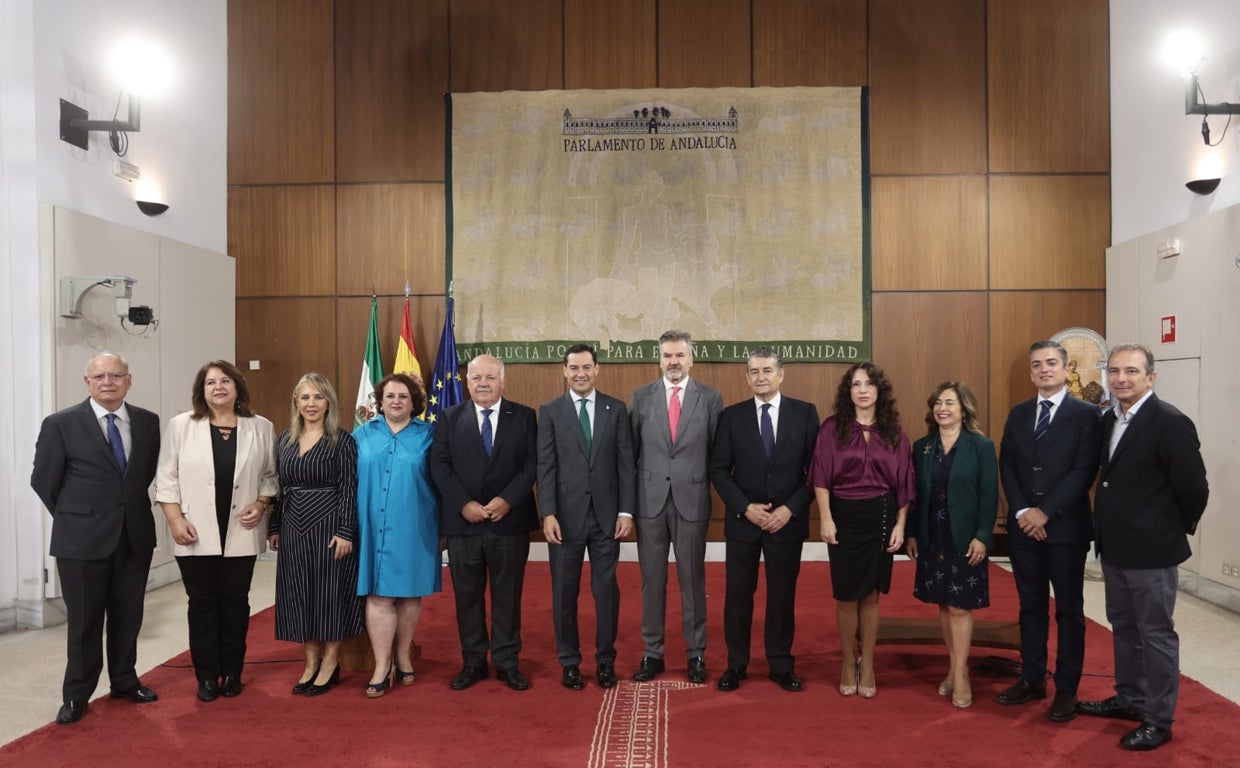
[182, 147]
[58, 48]
[21, 527]
[1155, 147]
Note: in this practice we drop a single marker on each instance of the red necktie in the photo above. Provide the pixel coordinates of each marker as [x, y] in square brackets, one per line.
[673, 412]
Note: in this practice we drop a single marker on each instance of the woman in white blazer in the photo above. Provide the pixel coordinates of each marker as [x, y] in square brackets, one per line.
[215, 482]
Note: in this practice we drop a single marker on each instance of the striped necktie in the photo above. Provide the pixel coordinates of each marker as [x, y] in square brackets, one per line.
[1044, 421]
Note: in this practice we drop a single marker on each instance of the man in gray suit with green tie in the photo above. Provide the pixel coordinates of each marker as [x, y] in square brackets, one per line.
[674, 420]
[585, 498]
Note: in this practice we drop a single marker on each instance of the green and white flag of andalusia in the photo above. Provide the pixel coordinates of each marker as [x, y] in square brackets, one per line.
[372, 370]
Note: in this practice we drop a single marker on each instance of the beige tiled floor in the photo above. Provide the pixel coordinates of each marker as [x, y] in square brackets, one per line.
[32, 662]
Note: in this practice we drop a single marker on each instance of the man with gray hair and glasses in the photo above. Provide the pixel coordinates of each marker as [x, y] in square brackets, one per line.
[93, 467]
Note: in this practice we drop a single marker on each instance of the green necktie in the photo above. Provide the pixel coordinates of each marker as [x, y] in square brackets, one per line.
[585, 425]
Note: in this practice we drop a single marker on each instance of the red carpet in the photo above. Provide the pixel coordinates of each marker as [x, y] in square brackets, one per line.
[668, 723]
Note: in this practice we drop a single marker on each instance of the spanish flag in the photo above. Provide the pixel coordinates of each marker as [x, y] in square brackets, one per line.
[407, 351]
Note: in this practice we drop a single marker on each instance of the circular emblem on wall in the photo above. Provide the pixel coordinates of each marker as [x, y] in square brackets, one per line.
[1087, 364]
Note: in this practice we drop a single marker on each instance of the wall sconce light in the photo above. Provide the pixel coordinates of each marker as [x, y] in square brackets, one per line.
[154, 209]
[75, 125]
[1203, 186]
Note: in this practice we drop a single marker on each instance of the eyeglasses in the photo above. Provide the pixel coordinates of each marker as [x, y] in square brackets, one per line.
[99, 378]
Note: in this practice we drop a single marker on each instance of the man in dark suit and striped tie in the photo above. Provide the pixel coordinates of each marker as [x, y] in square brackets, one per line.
[1047, 461]
[93, 467]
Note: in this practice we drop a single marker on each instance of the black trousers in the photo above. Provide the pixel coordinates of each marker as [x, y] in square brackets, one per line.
[113, 590]
[219, 612]
[1036, 567]
[783, 566]
[472, 560]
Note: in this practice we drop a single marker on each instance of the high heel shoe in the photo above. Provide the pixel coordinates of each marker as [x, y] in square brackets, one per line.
[945, 687]
[865, 691]
[376, 690]
[848, 689]
[304, 685]
[962, 697]
[406, 678]
[318, 690]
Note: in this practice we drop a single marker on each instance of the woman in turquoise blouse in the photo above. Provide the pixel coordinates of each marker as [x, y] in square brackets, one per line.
[950, 532]
[398, 511]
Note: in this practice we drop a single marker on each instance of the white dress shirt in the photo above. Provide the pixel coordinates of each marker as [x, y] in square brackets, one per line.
[122, 424]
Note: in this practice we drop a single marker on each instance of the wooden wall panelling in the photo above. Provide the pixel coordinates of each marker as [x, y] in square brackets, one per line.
[499, 45]
[609, 45]
[284, 240]
[929, 233]
[280, 91]
[927, 87]
[289, 337]
[352, 317]
[1019, 318]
[387, 234]
[1049, 231]
[922, 339]
[391, 72]
[809, 42]
[704, 44]
[1049, 90]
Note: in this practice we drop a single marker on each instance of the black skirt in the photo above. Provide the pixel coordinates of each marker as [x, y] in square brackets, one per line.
[860, 562]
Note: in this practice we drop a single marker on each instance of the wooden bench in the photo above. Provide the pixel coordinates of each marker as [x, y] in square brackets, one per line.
[909, 631]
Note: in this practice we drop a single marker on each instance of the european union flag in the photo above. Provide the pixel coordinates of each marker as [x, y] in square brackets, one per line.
[445, 385]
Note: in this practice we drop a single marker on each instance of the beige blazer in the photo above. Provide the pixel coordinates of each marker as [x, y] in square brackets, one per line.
[186, 476]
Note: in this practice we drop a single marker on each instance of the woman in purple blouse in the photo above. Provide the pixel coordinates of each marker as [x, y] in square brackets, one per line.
[863, 480]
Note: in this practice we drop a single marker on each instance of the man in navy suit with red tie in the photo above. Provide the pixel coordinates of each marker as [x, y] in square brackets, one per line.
[93, 467]
[1047, 461]
[759, 463]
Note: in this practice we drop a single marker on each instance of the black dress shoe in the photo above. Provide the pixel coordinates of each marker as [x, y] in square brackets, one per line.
[1145, 737]
[571, 679]
[731, 679]
[514, 679]
[788, 681]
[71, 711]
[1063, 708]
[697, 670]
[137, 693]
[318, 690]
[1021, 693]
[231, 686]
[648, 669]
[467, 677]
[606, 674]
[208, 690]
[1111, 707]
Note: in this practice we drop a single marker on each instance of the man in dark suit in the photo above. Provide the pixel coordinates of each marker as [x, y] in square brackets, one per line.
[1048, 460]
[93, 467]
[674, 420]
[759, 464]
[1151, 493]
[585, 497]
[484, 461]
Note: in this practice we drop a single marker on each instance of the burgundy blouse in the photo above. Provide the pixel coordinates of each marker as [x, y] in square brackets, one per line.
[863, 470]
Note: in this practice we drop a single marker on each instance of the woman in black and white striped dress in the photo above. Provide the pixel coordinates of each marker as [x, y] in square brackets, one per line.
[314, 528]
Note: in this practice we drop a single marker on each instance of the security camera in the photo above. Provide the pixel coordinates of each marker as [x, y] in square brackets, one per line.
[141, 315]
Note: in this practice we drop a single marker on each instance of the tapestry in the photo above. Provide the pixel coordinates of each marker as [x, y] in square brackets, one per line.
[740, 215]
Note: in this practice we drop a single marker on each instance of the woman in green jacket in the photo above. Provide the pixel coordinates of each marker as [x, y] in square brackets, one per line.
[949, 534]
